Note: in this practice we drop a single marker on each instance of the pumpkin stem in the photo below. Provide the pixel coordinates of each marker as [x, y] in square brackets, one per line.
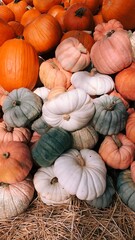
[110, 107]
[116, 140]
[20, 37]
[17, 1]
[16, 103]
[6, 154]
[80, 12]
[80, 160]
[109, 34]
[2, 184]
[66, 117]
[54, 180]
[93, 72]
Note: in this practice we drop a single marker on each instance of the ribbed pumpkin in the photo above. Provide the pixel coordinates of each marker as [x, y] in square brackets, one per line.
[17, 27]
[18, 7]
[130, 127]
[40, 126]
[92, 4]
[44, 5]
[30, 15]
[50, 146]
[16, 68]
[6, 14]
[6, 32]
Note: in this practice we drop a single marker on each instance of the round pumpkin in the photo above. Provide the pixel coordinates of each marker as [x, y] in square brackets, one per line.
[16, 68]
[40, 126]
[30, 15]
[15, 161]
[17, 27]
[6, 13]
[44, 5]
[6, 32]
[42, 92]
[92, 4]
[130, 127]
[18, 7]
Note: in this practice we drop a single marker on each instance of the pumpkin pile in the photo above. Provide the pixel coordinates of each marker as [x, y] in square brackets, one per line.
[67, 103]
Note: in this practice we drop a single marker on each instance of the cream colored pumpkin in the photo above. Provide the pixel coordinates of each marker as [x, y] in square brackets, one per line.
[48, 187]
[42, 92]
[81, 173]
[70, 110]
[72, 55]
[93, 83]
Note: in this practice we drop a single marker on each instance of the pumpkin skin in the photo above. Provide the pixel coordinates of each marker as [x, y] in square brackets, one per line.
[117, 151]
[44, 33]
[40, 126]
[42, 92]
[106, 199]
[6, 14]
[124, 82]
[92, 4]
[15, 161]
[50, 146]
[30, 15]
[72, 55]
[20, 107]
[8, 134]
[44, 5]
[18, 7]
[17, 27]
[112, 53]
[126, 188]
[3, 95]
[110, 116]
[52, 74]
[81, 173]
[70, 110]
[15, 198]
[130, 127]
[48, 187]
[132, 169]
[92, 82]
[6, 32]
[120, 11]
[16, 68]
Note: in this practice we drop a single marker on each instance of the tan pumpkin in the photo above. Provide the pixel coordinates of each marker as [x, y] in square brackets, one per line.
[55, 92]
[72, 55]
[52, 74]
[3, 95]
[130, 127]
[117, 151]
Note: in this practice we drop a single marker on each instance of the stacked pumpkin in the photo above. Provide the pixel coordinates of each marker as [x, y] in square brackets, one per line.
[77, 124]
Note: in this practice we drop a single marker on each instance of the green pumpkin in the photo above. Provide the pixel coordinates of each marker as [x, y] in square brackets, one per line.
[110, 116]
[50, 146]
[40, 126]
[126, 188]
[20, 107]
[106, 198]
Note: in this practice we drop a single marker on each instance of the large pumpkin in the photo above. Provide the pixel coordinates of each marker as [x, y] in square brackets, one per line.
[16, 66]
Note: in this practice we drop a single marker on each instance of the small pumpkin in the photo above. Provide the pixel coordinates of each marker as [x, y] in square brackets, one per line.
[15, 161]
[6, 32]
[48, 187]
[15, 198]
[50, 146]
[30, 15]
[81, 173]
[130, 127]
[110, 116]
[20, 107]
[18, 7]
[44, 5]
[117, 151]
[6, 14]
[72, 55]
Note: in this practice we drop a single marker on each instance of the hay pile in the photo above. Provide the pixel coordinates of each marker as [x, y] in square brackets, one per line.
[77, 221]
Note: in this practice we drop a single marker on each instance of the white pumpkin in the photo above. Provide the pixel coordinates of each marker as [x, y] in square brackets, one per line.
[48, 187]
[81, 173]
[93, 83]
[70, 110]
[42, 92]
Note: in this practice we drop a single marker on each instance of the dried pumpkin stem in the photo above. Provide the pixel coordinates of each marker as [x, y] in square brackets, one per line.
[2, 184]
[80, 160]
[6, 154]
[17, 1]
[109, 34]
[93, 72]
[16, 103]
[80, 12]
[117, 140]
[66, 117]
[54, 180]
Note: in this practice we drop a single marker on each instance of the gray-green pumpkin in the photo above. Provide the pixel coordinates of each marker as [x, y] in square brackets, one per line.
[106, 198]
[110, 116]
[50, 146]
[40, 126]
[20, 107]
[126, 188]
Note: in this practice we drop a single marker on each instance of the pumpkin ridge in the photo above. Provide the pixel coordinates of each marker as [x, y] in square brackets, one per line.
[20, 189]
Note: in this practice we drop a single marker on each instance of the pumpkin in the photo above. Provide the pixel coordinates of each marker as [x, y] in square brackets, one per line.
[98, 19]
[120, 11]
[126, 188]
[110, 116]
[17, 27]
[42, 92]
[92, 4]
[18, 7]
[58, 11]
[72, 55]
[84, 37]
[112, 53]
[55, 91]
[132, 169]
[81, 173]
[117, 151]
[3, 95]
[50, 146]
[35, 137]
[8, 133]
[15, 161]
[16, 68]
[44, 33]
[30, 15]
[21, 107]
[85, 137]
[70, 110]
[78, 17]
[52, 74]
[132, 40]
[117, 94]
[106, 198]
[124, 82]
[6, 32]
[40, 126]
[6, 14]
[44, 5]
[48, 187]
[92, 82]
[130, 127]
[15, 198]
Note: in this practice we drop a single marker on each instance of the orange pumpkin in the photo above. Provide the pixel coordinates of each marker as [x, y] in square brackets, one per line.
[6, 32]
[92, 4]
[17, 27]
[117, 151]
[132, 169]
[44, 33]
[7, 1]
[16, 68]
[120, 10]
[18, 7]
[44, 5]
[6, 14]
[30, 15]
[15, 161]
[130, 127]
[125, 82]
